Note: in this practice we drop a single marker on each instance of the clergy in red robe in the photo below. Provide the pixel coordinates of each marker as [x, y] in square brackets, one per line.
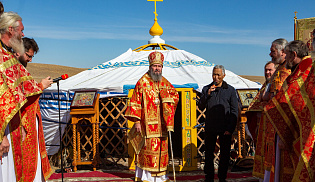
[16, 86]
[36, 165]
[265, 134]
[291, 113]
[152, 108]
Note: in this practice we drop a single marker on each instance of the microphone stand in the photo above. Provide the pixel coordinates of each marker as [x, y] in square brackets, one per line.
[60, 138]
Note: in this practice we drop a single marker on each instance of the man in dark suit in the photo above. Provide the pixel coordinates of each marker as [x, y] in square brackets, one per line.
[220, 100]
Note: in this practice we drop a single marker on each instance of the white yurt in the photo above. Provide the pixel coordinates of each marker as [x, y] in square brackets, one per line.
[115, 78]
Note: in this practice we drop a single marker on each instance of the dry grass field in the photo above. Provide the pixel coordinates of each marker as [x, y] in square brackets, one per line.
[40, 71]
[260, 79]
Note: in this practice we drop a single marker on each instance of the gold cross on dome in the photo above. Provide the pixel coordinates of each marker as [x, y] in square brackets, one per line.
[295, 12]
[155, 8]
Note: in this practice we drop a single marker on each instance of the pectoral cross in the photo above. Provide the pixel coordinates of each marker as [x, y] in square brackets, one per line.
[155, 8]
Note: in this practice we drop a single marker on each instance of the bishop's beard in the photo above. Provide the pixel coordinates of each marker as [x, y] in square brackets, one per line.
[16, 43]
[155, 76]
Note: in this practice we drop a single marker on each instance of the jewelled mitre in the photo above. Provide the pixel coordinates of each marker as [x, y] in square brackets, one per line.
[156, 58]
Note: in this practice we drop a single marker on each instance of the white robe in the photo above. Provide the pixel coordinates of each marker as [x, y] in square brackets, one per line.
[1, 174]
[7, 172]
[39, 177]
[7, 166]
[146, 176]
[277, 165]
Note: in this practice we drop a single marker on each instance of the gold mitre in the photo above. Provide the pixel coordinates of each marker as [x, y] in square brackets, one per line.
[156, 58]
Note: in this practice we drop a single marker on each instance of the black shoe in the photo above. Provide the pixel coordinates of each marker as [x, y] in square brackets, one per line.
[208, 179]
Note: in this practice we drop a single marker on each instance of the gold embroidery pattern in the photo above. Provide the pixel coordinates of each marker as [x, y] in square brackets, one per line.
[154, 154]
[3, 88]
[8, 64]
[10, 116]
[294, 113]
[310, 107]
[283, 114]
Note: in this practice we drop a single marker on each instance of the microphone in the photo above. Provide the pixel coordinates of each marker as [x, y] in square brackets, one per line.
[63, 77]
[214, 83]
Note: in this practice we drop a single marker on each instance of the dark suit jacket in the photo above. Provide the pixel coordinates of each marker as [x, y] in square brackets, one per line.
[222, 108]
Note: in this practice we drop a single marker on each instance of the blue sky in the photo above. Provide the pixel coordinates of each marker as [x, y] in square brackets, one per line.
[236, 34]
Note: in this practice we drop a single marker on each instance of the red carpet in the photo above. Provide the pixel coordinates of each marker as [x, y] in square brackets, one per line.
[125, 175]
[94, 176]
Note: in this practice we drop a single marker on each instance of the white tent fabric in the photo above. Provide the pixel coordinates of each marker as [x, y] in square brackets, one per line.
[180, 68]
[115, 77]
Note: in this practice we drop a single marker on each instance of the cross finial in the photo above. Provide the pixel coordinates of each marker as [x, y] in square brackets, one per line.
[155, 8]
[295, 12]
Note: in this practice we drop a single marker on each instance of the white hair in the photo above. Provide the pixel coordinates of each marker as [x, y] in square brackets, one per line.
[9, 19]
[280, 44]
[220, 67]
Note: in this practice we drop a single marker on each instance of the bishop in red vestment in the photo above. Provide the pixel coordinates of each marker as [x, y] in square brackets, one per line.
[152, 108]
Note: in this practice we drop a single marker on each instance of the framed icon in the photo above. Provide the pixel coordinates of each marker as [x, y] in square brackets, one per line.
[83, 99]
[246, 96]
[305, 31]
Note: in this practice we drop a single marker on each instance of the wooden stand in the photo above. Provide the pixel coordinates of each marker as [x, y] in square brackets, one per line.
[241, 134]
[92, 115]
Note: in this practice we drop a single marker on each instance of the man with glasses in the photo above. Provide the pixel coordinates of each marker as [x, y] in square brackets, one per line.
[31, 48]
[36, 165]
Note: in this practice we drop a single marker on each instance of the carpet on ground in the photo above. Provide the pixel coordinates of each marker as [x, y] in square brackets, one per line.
[125, 175]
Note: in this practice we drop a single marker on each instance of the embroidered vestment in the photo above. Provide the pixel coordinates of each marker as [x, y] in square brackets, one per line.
[264, 158]
[34, 140]
[153, 104]
[16, 84]
[291, 112]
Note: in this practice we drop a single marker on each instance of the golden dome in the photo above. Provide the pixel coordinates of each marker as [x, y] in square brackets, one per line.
[156, 29]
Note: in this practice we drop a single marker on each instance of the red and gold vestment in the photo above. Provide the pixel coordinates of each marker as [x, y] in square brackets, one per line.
[153, 104]
[291, 112]
[265, 135]
[16, 84]
[254, 112]
[33, 140]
